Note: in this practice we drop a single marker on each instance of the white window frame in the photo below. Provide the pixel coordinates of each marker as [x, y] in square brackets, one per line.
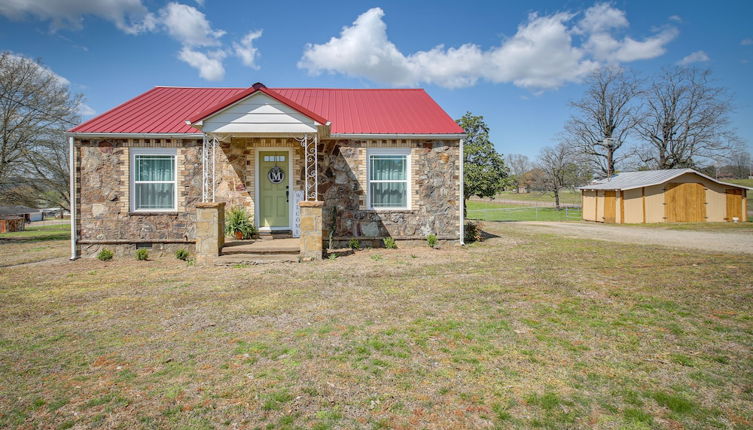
[408, 179]
[153, 151]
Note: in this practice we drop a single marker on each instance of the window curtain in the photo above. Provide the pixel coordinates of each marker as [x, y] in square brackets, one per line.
[394, 193]
[151, 190]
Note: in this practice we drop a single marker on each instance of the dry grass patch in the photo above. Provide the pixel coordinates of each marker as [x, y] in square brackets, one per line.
[524, 330]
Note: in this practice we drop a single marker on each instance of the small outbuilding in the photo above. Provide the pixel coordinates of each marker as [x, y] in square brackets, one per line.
[653, 196]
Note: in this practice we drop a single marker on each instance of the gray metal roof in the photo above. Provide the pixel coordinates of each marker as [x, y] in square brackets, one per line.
[646, 178]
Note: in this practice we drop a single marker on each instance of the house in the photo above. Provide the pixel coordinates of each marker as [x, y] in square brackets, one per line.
[653, 196]
[363, 163]
[28, 214]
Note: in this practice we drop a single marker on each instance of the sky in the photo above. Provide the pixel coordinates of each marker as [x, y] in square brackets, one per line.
[518, 64]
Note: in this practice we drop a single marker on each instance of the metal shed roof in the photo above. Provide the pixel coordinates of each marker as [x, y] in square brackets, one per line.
[646, 178]
[350, 111]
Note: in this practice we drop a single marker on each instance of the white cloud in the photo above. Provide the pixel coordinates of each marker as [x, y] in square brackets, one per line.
[130, 16]
[188, 25]
[675, 18]
[541, 54]
[746, 42]
[245, 49]
[695, 57]
[208, 64]
[85, 110]
[20, 59]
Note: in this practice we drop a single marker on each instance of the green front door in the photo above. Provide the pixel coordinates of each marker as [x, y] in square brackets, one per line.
[273, 189]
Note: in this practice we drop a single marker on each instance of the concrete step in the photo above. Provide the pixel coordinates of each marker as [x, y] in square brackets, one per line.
[252, 259]
[277, 234]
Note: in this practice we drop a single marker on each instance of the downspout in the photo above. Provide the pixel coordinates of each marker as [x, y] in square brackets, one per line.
[462, 196]
[72, 195]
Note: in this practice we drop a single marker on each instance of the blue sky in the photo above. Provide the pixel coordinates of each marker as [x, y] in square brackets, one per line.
[518, 64]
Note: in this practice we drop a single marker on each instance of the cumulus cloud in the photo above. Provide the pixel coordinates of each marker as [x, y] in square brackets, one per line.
[85, 110]
[208, 64]
[245, 50]
[188, 25]
[695, 57]
[543, 53]
[131, 16]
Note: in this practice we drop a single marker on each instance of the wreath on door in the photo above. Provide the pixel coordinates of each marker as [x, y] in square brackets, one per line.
[276, 175]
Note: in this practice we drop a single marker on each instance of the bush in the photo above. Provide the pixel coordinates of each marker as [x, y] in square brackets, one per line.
[142, 254]
[473, 232]
[389, 243]
[105, 255]
[238, 220]
[181, 254]
[431, 240]
[354, 244]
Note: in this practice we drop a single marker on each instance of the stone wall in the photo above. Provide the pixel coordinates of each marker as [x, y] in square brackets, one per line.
[434, 191]
[102, 195]
[104, 217]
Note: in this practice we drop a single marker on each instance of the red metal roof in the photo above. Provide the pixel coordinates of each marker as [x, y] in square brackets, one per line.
[351, 111]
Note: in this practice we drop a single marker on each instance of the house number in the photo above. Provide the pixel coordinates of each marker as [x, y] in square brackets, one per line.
[275, 175]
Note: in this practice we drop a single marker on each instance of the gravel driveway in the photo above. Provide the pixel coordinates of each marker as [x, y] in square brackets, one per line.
[717, 241]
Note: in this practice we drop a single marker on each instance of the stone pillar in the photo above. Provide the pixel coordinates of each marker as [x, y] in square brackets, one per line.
[210, 231]
[311, 230]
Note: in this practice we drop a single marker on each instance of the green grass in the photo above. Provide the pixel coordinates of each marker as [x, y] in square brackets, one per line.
[743, 182]
[489, 211]
[566, 196]
[523, 330]
[41, 233]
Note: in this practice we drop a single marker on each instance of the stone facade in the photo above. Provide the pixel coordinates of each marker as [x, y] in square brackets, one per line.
[434, 200]
[311, 230]
[104, 218]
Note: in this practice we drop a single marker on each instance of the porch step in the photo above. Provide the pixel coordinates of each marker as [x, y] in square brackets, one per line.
[254, 259]
[262, 247]
[277, 234]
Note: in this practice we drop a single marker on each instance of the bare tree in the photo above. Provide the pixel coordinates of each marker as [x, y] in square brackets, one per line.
[561, 168]
[741, 163]
[519, 165]
[685, 121]
[36, 107]
[603, 118]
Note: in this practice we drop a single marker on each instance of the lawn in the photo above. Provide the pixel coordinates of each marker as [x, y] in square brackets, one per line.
[523, 330]
[743, 182]
[490, 211]
[742, 227]
[566, 197]
[36, 243]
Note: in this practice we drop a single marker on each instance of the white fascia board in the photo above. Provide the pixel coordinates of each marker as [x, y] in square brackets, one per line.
[139, 135]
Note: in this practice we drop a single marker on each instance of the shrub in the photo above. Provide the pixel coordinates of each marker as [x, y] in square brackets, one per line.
[389, 243]
[473, 232]
[142, 254]
[332, 256]
[238, 220]
[354, 244]
[105, 255]
[181, 254]
[431, 240]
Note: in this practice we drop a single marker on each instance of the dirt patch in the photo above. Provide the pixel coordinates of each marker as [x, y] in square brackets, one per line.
[716, 241]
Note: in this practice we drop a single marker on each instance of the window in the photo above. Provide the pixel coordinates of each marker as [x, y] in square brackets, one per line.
[388, 173]
[153, 184]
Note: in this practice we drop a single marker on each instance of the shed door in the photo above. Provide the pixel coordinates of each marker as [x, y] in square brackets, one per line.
[610, 206]
[734, 203]
[685, 202]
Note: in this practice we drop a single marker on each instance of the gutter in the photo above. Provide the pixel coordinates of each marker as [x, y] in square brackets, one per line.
[462, 195]
[72, 195]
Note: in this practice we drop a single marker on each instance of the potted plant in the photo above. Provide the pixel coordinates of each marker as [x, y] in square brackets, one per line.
[239, 224]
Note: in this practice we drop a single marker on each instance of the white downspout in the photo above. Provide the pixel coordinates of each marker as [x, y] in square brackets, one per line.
[72, 195]
[462, 195]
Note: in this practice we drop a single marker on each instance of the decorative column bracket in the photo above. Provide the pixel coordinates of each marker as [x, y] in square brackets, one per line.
[311, 173]
[208, 163]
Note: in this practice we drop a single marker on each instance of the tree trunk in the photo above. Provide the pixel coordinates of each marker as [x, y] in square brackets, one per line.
[557, 198]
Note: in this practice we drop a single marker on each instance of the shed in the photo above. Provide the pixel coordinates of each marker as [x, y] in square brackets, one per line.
[673, 195]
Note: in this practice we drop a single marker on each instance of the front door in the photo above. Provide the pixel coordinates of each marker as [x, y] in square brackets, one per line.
[273, 189]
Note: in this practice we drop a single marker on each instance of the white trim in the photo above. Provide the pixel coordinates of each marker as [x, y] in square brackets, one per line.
[257, 176]
[395, 136]
[72, 195]
[462, 194]
[200, 123]
[140, 135]
[408, 178]
[131, 177]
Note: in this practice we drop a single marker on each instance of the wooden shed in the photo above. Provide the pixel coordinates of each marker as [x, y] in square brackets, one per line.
[653, 196]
